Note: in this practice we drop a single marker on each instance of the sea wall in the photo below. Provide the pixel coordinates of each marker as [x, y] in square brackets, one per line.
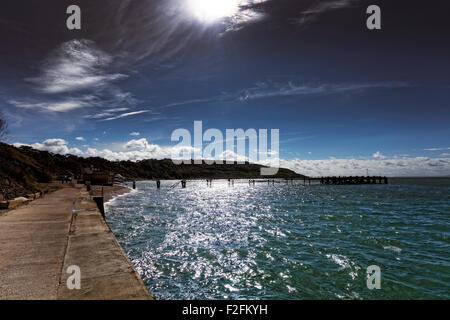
[106, 271]
[41, 242]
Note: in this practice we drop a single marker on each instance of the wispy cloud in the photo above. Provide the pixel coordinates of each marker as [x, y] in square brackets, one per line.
[190, 101]
[75, 65]
[250, 11]
[128, 114]
[62, 106]
[80, 70]
[106, 113]
[301, 12]
[267, 90]
[437, 149]
[117, 110]
[169, 26]
[312, 13]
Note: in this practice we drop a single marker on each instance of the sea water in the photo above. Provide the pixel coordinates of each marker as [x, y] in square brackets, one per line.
[283, 241]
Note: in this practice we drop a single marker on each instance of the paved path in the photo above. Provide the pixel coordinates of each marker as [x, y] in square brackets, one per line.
[39, 241]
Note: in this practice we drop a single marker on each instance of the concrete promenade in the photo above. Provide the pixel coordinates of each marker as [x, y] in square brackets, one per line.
[39, 241]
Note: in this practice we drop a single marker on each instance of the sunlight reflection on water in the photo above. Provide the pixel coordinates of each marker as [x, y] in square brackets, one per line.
[284, 242]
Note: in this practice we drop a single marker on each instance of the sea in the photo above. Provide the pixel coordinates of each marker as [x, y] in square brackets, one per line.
[287, 241]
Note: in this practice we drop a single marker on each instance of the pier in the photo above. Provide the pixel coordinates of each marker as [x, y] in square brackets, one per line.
[351, 180]
[305, 181]
[334, 180]
[44, 239]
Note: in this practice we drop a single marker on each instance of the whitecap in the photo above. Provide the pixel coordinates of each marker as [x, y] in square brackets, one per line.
[232, 289]
[341, 260]
[291, 289]
[393, 248]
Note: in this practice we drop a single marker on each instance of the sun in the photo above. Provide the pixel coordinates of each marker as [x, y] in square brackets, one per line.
[209, 11]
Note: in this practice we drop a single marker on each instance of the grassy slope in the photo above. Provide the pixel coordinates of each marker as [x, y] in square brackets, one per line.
[26, 167]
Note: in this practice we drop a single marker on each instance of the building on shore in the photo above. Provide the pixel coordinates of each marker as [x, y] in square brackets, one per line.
[98, 177]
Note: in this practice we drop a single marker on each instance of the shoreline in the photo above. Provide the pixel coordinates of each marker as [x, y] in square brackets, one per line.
[110, 192]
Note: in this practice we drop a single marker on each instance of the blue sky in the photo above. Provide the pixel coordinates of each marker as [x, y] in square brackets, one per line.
[345, 99]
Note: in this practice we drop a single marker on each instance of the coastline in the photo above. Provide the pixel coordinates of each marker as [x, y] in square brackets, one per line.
[110, 192]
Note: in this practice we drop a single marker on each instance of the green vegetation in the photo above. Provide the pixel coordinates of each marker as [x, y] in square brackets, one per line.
[22, 169]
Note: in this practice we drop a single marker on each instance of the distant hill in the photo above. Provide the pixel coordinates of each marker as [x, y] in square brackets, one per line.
[22, 169]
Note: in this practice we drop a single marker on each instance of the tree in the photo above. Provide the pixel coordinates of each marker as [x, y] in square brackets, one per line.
[3, 128]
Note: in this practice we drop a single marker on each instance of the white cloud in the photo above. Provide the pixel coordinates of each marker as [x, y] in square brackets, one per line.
[378, 155]
[110, 114]
[140, 144]
[63, 106]
[116, 110]
[79, 69]
[80, 139]
[133, 150]
[231, 156]
[436, 149]
[75, 65]
[141, 152]
[128, 114]
[55, 142]
[58, 146]
[136, 150]
[135, 134]
[417, 166]
[99, 115]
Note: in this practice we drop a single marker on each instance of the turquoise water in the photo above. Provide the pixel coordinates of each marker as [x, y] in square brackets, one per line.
[287, 242]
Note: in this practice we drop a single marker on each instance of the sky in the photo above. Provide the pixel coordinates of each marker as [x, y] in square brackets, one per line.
[345, 99]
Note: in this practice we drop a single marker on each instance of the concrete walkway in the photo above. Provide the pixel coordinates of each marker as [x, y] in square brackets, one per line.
[38, 242]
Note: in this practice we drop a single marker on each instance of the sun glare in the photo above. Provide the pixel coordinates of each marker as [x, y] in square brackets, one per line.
[212, 10]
